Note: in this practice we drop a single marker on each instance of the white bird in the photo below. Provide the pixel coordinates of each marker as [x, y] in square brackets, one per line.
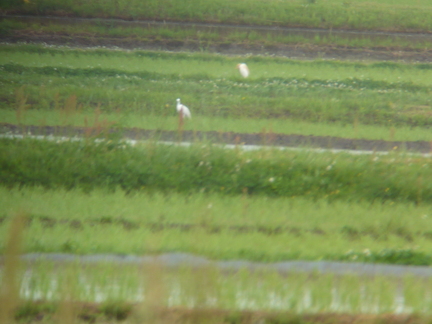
[244, 70]
[183, 110]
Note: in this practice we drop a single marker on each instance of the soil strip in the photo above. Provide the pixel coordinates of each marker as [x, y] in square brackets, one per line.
[179, 260]
[234, 138]
[295, 51]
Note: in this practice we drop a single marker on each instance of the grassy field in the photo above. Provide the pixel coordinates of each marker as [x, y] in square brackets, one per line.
[75, 222]
[148, 293]
[57, 117]
[350, 202]
[378, 15]
[138, 89]
[214, 66]
[251, 228]
[84, 197]
[206, 168]
[211, 288]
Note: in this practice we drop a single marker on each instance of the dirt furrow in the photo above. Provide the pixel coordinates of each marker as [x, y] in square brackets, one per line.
[265, 139]
[297, 51]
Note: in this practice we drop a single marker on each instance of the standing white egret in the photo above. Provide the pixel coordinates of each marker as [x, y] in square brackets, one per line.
[183, 110]
[244, 70]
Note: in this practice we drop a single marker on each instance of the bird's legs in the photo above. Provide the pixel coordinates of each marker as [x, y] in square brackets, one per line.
[180, 124]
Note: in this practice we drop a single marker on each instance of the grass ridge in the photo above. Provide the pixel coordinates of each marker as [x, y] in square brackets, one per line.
[351, 83]
[154, 167]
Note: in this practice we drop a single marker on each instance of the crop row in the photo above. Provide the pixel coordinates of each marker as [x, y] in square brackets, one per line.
[144, 93]
[155, 289]
[223, 84]
[160, 225]
[251, 227]
[75, 230]
[144, 83]
[103, 53]
[208, 169]
[204, 39]
[187, 295]
[382, 15]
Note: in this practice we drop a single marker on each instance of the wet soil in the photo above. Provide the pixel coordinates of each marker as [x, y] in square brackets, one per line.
[234, 138]
[351, 233]
[118, 312]
[294, 51]
[297, 51]
[178, 260]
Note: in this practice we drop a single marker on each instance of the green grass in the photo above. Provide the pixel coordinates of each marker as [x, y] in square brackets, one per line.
[263, 206]
[331, 217]
[214, 66]
[280, 229]
[136, 293]
[219, 124]
[204, 168]
[383, 15]
[138, 85]
[76, 222]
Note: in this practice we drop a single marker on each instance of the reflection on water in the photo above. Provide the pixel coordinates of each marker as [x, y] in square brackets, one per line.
[303, 297]
[186, 280]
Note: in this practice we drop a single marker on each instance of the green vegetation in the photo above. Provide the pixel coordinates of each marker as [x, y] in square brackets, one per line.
[150, 290]
[202, 39]
[247, 227]
[379, 15]
[75, 222]
[178, 66]
[210, 288]
[103, 88]
[138, 89]
[112, 164]
[269, 126]
[100, 314]
[100, 195]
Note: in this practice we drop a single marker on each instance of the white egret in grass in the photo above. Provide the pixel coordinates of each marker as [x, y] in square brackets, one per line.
[183, 111]
[243, 69]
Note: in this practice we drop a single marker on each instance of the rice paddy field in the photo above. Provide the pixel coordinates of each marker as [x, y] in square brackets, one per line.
[361, 14]
[138, 89]
[231, 215]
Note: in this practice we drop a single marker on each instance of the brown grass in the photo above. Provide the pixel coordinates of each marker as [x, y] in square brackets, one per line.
[9, 289]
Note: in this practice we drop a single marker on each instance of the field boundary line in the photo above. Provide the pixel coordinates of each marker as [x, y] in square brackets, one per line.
[245, 147]
[179, 260]
[303, 30]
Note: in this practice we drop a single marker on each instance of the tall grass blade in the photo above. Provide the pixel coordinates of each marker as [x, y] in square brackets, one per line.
[9, 289]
